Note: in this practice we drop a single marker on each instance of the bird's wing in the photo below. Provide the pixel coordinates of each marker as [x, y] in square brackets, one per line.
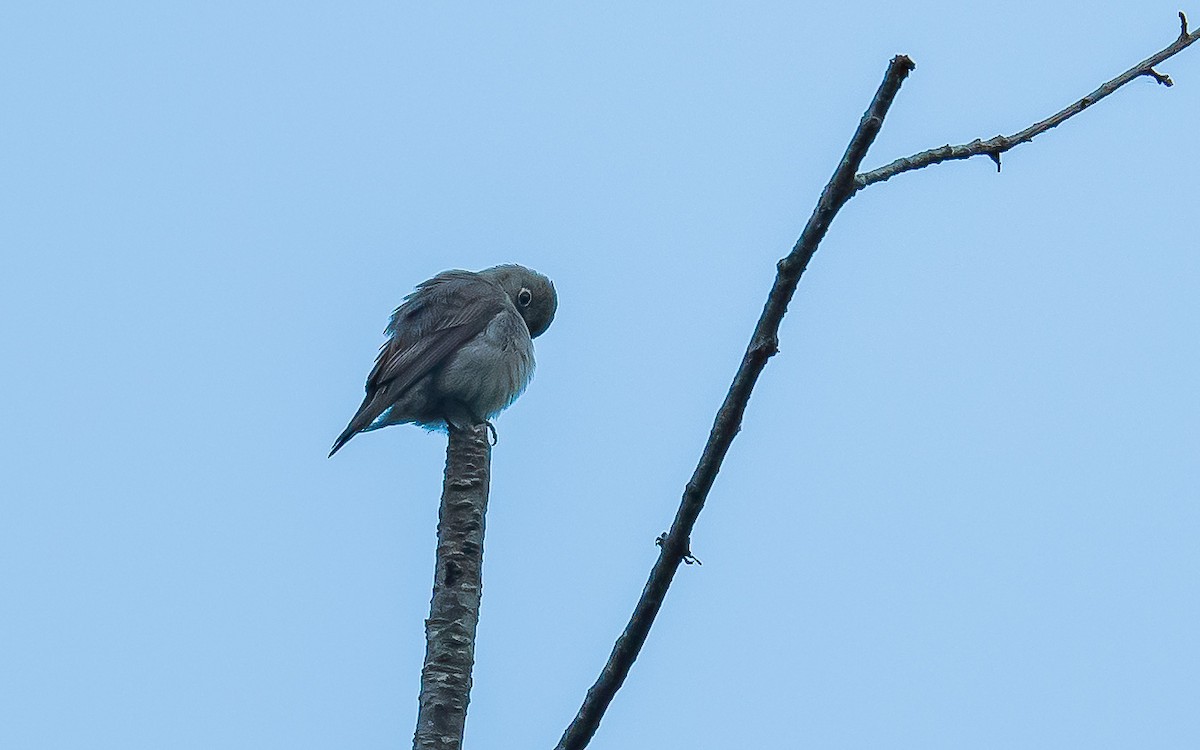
[434, 322]
[442, 315]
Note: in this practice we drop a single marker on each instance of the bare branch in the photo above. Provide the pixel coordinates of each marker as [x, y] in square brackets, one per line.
[675, 547]
[457, 587]
[993, 147]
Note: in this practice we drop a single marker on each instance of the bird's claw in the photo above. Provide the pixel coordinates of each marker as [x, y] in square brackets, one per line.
[478, 421]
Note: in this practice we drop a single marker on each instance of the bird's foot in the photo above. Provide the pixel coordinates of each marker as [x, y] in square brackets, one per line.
[491, 428]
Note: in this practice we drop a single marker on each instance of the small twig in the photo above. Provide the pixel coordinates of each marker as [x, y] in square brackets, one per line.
[457, 587]
[763, 344]
[1162, 78]
[688, 557]
[993, 147]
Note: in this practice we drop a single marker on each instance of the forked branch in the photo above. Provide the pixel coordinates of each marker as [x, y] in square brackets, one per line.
[994, 147]
[675, 546]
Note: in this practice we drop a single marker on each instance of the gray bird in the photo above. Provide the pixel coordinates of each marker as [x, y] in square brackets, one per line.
[459, 350]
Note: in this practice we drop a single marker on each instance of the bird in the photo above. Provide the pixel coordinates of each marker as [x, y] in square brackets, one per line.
[459, 350]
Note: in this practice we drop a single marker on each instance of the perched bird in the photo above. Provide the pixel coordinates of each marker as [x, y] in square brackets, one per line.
[459, 350]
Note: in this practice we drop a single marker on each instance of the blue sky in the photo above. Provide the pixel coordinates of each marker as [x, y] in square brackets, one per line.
[963, 508]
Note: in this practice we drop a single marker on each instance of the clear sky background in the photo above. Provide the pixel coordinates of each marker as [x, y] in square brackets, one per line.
[964, 507]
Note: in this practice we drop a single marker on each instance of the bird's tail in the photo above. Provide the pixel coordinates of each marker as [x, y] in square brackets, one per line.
[366, 414]
[342, 439]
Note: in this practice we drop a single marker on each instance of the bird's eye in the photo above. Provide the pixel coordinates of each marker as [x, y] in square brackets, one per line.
[524, 297]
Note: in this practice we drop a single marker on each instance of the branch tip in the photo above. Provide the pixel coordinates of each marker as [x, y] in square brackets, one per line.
[994, 156]
[1183, 25]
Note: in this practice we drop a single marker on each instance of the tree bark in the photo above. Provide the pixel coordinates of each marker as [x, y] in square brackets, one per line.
[457, 589]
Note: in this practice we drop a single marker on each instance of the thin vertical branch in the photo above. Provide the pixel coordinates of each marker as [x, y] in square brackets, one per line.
[457, 589]
[763, 345]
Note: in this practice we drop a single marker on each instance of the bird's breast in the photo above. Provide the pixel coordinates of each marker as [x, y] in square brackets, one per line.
[492, 369]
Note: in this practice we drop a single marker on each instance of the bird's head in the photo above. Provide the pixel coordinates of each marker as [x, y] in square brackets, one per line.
[531, 293]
